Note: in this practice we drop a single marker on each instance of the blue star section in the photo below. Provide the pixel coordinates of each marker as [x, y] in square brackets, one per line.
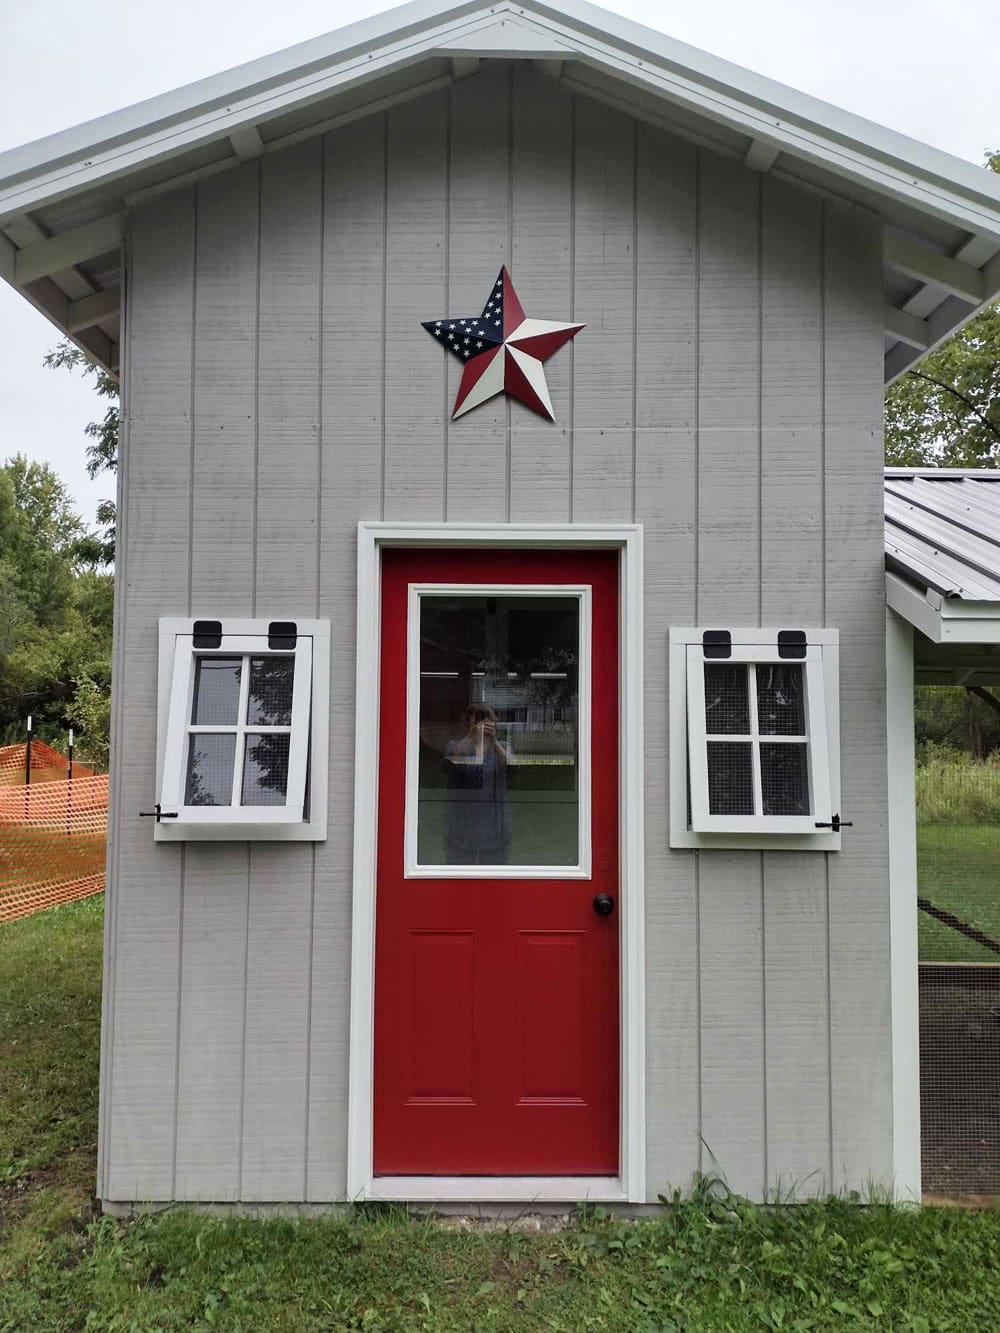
[471, 337]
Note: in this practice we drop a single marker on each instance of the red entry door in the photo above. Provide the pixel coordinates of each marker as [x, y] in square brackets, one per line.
[496, 955]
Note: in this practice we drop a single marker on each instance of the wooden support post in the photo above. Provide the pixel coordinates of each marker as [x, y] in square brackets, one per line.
[985, 695]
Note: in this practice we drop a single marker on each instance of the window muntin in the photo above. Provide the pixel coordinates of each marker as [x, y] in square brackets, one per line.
[757, 743]
[504, 793]
[237, 738]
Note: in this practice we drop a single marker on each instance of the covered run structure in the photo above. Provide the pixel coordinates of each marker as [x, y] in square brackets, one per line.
[942, 544]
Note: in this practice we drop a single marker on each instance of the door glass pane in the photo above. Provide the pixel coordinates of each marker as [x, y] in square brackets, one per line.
[780, 701]
[730, 778]
[270, 703]
[499, 755]
[727, 703]
[216, 691]
[784, 778]
[210, 762]
[265, 769]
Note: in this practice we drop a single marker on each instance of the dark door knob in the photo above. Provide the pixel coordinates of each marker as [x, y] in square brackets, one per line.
[604, 904]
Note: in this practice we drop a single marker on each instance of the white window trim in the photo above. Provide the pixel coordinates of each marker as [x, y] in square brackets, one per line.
[412, 868]
[687, 737]
[309, 728]
[630, 1184]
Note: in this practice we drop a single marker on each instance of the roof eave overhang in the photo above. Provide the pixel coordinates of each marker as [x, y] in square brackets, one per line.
[569, 40]
[942, 619]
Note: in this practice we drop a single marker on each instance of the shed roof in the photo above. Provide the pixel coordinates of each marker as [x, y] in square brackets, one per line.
[942, 555]
[63, 198]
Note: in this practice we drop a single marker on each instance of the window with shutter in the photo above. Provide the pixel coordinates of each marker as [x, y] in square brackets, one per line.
[242, 748]
[755, 754]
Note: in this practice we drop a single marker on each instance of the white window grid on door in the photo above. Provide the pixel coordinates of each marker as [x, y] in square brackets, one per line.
[412, 869]
[178, 666]
[692, 823]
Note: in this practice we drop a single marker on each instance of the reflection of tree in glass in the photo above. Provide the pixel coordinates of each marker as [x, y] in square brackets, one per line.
[197, 794]
[271, 691]
[546, 642]
[266, 769]
[210, 770]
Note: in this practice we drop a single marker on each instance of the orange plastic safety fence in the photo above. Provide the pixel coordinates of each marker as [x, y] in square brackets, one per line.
[47, 765]
[52, 843]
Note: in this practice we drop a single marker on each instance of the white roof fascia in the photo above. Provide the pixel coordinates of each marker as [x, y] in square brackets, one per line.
[205, 112]
[957, 609]
[893, 164]
[953, 620]
[937, 473]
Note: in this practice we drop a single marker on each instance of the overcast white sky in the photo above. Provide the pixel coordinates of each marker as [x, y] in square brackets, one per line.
[918, 66]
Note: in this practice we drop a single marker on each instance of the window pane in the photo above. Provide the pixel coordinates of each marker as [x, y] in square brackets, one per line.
[730, 778]
[727, 700]
[210, 770]
[216, 691]
[265, 769]
[499, 779]
[784, 779]
[780, 700]
[270, 703]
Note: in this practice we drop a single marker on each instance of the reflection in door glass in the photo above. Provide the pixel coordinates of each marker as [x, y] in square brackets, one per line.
[499, 770]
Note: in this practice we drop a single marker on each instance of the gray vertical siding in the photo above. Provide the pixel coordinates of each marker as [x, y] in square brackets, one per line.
[794, 924]
[213, 958]
[146, 889]
[542, 262]
[726, 394]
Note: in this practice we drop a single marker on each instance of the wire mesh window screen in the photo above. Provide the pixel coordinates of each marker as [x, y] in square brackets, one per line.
[784, 779]
[265, 769]
[727, 700]
[958, 886]
[271, 680]
[216, 698]
[730, 778]
[210, 769]
[780, 700]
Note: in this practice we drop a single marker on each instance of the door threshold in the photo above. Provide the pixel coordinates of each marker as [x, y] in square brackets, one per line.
[496, 1189]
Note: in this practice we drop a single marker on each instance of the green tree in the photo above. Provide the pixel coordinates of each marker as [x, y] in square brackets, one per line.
[55, 608]
[102, 451]
[945, 412]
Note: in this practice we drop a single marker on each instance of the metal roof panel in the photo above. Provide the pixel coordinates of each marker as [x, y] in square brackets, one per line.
[942, 530]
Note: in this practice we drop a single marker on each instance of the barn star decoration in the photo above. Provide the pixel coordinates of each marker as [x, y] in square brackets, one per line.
[502, 351]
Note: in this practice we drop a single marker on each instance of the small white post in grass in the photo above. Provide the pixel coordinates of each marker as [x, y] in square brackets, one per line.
[69, 781]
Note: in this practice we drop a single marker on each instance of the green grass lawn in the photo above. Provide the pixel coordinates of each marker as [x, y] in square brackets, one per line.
[958, 869]
[711, 1263]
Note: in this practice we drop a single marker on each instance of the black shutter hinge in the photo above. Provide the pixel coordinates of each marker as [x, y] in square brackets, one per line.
[836, 824]
[157, 813]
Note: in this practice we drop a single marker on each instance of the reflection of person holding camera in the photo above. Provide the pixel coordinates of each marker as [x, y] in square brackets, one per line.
[479, 824]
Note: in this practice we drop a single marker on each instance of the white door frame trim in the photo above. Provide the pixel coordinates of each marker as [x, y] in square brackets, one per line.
[630, 1185]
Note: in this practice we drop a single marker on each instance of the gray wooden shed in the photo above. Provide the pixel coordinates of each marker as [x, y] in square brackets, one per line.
[500, 760]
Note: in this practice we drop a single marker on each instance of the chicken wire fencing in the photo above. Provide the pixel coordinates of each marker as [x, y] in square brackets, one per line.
[53, 833]
[958, 879]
